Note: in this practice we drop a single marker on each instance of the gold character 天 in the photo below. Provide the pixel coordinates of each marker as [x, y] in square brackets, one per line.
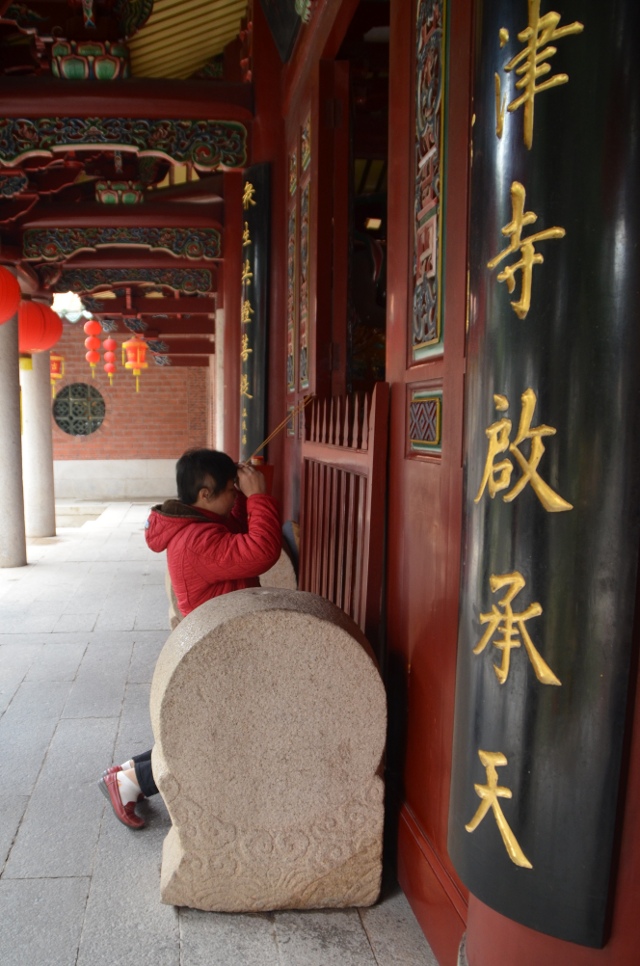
[529, 257]
[512, 627]
[531, 64]
[497, 475]
[489, 795]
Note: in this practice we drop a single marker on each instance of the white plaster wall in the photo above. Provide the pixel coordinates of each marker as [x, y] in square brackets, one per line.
[114, 479]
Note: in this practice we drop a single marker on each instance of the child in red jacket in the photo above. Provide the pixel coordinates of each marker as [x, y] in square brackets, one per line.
[221, 533]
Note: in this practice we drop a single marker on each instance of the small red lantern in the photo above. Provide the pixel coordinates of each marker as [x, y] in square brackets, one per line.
[93, 358]
[93, 342]
[92, 327]
[9, 295]
[110, 345]
[39, 327]
[136, 349]
[56, 370]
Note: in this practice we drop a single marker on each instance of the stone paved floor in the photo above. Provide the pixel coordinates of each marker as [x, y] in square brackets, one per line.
[80, 629]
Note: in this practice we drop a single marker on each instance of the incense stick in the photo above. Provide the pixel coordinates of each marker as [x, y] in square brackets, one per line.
[294, 412]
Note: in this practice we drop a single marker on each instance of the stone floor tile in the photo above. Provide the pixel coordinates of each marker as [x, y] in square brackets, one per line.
[19, 651]
[23, 746]
[125, 923]
[60, 827]
[41, 921]
[75, 622]
[58, 661]
[394, 933]
[146, 651]
[11, 811]
[221, 939]
[35, 700]
[134, 734]
[333, 937]
[10, 681]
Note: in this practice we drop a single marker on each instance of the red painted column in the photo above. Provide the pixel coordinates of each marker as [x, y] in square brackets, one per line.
[229, 338]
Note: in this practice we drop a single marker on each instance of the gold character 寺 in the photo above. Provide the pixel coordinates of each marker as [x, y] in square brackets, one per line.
[497, 475]
[489, 795]
[531, 64]
[512, 627]
[529, 256]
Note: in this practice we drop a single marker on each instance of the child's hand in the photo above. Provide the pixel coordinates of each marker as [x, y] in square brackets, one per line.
[250, 480]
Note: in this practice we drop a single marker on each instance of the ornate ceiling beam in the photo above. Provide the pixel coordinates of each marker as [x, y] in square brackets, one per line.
[60, 244]
[189, 362]
[139, 97]
[150, 308]
[153, 214]
[207, 144]
[187, 281]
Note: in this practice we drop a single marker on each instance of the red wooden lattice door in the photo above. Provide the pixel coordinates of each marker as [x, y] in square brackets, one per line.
[344, 459]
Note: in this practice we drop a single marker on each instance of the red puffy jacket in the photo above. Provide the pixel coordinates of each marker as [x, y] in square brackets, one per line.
[209, 555]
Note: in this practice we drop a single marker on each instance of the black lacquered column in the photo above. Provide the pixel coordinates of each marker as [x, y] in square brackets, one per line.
[552, 461]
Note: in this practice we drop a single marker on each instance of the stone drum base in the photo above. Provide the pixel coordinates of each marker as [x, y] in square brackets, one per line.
[269, 717]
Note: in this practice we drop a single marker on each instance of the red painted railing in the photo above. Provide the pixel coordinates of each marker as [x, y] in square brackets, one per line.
[344, 478]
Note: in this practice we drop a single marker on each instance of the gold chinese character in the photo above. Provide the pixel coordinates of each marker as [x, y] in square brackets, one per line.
[245, 351]
[532, 63]
[247, 274]
[246, 237]
[244, 439]
[246, 311]
[248, 195]
[244, 424]
[489, 795]
[497, 476]
[244, 387]
[529, 256]
[511, 625]
[244, 411]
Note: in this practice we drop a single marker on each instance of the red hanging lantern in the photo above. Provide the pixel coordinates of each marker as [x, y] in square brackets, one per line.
[136, 349]
[93, 358]
[39, 327]
[56, 370]
[93, 342]
[110, 345]
[9, 295]
[92, 327]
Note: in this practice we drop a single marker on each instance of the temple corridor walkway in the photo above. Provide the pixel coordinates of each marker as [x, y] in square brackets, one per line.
[80, 630]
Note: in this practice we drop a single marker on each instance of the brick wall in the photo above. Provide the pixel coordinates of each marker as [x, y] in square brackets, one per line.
[167, 416]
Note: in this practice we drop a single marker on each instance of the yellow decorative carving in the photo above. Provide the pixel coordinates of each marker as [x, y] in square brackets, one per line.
[244, 387]
[521, 218]
[489, 795]
[532, 61]
[247, 274]
[245, 351]
[501, 106]
[512, 626]
[246, 311]
[248, 196]
[497, 476]
[246, 236]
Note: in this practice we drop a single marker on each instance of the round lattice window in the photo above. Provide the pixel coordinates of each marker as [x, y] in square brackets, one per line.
[78, 409]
